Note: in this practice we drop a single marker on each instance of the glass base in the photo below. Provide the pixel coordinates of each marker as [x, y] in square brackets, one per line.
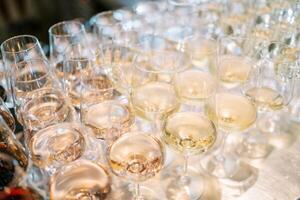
[235, 177]
[255, 145]
[178, 187]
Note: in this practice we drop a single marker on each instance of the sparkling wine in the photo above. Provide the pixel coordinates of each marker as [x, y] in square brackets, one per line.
[20, 193]
[79, 181]
[265, 98]
[107, 119]
[195, 84]
[234, 69]
[154, 99]
[231, 112]
[189, 132]
[136, 156]
[58, 144]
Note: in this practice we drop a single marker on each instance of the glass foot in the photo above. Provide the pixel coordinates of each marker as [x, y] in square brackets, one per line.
[178, 187]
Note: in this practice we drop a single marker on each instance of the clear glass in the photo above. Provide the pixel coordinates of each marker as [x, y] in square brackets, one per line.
[43, 108]
[18, 49]
[189, 133]
[57, 145]
[136, 157]
[61, 35]
[81, 179]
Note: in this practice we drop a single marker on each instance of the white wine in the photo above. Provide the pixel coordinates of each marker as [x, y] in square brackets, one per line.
[57, 145]
[189, 132]
[154, 100]
[195, 85]
[265, 98]
[136, 156]
[80, 180]
[107, 119]
[202, 53]
[234, 69]
[231, 112]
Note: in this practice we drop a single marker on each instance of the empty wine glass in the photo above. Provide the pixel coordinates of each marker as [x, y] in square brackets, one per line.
[81, 179]
[189, 133]
[136, 157]
[61, 35]
[59, 144]
[17, 49]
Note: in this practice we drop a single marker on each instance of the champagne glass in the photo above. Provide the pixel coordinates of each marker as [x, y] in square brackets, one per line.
[59, 144]
[136, 157]
[153, 95]
[17, 49]
[61, 35]
[189, 133]
[81, 179]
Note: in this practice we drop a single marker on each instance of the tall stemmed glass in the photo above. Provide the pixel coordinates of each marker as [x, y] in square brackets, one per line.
[231, 111]
[189, 133]
[153, 95]
[271, 88]
[61, 35]
[136, 157]
[17, 49]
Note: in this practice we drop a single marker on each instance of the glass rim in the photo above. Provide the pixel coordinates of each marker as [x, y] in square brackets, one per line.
[36, 43]
[147, 57]
[44, 61]
[93, 20]
[51, 33]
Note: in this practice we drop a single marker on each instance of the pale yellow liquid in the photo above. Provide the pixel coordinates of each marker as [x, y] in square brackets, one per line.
[154, 100]
[234, 69]
[231, 112]
[265, 98]
[189, 132]
[202, 53]
[195, 84]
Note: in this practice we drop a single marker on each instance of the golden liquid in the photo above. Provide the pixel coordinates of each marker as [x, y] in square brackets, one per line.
[189, 132]
[265, 98]
[80, 180]
[107, 119]
[194, 84]
[203, 54]
[136, 156]
[234, 69]
[231, 112]
[154, 100]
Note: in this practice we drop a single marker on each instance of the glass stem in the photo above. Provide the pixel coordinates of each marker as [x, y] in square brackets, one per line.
[185, 164]
[184, 178]
[137, 195]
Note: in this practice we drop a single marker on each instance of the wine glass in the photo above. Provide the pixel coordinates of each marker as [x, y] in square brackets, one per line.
[61, 35]
[189, 133]
[17, 49]
[136, 157]
[271, 88]
[196, 84]
[108, 119]
[59, 144]
[153, 95]
[78, 62]
[106, 26]
[81, 179]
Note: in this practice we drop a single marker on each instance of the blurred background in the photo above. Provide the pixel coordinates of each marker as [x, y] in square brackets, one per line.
[36, 16]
